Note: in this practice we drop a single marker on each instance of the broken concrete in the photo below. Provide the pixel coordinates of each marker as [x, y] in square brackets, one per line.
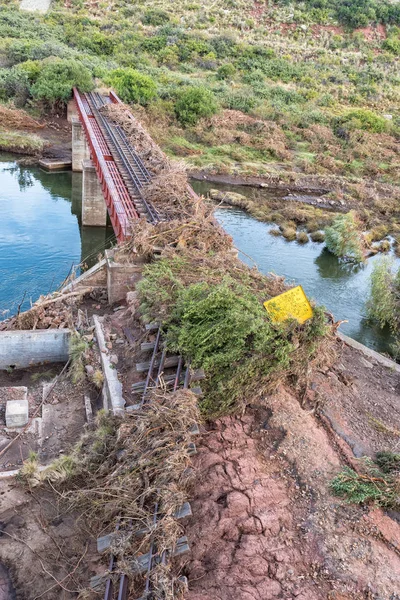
[121, 277]
[17, 413]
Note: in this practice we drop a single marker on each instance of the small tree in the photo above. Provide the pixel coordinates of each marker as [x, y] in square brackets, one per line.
[57, 78]
[343, 238]
[193, 103]
[132, 86]
[383, 304]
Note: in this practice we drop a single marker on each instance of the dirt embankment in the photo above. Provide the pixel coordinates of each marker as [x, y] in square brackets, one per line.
[266, 524]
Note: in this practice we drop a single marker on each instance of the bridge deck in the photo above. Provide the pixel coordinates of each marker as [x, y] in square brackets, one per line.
[120, 204]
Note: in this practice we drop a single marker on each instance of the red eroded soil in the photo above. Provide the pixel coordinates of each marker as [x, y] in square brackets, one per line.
[265, 524]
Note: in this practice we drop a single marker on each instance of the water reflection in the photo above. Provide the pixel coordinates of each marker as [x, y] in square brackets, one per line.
[41, 236]
[331, 267]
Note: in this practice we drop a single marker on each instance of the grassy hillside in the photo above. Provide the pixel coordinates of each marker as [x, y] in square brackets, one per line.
[277, 86]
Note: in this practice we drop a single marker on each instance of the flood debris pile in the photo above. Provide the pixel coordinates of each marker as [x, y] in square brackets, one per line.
[168, 189]
[126, 471]
[57, 311]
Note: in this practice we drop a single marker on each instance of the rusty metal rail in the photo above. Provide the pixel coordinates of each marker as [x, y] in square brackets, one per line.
[154, 379]
[119, 203]
[132, 169]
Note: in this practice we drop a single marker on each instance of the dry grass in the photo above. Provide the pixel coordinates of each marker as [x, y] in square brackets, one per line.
[150, 153]
[12, 118]
[122, 470]
[197, 229]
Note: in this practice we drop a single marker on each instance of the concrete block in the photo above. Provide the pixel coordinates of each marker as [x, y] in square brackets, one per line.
[26, 348]
[94, 209]
[121, 277]
[17, 413]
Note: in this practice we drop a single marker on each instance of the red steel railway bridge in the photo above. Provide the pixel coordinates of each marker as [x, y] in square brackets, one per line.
[113, 172]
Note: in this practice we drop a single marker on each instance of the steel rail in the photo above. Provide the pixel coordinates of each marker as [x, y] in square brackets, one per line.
[118, 142]
[118, 201]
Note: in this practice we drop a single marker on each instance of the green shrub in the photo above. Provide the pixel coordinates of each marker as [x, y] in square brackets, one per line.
[14, 84]
[388, 462]
[58, 77]
[132, 86]
[362, 118]
[343, 239]
[372, 487]
[226, 71]
[194, 103]
[240, 100]
[392, 44]
[382, 305]
[155, 17]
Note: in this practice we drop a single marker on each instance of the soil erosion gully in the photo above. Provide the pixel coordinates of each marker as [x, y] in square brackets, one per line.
[119, 168]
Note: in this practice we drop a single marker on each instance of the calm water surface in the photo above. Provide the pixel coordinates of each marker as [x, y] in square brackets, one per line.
[343, 289]
[41, 237]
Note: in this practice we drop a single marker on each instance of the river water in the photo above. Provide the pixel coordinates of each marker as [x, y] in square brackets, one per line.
[41, 237]
[342, 288]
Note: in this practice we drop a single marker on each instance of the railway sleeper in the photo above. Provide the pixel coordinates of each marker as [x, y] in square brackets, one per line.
[104, 542]
[141, 564]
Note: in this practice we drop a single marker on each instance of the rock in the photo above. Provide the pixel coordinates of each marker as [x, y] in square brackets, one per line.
[120, 341]
[114, 359]
[89, 370]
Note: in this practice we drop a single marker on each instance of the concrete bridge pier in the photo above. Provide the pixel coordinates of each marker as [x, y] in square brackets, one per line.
[94, 209]
[80, 148]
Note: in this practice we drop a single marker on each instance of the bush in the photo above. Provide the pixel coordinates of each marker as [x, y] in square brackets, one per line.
[58, 77]
[317, 236]
[302, 237]
[132, 86]
[392, 44]
[361, 118]
[240, 100]
[226, 71]
[194, 103]
[155, 17]
[343, 238]
[381, 304]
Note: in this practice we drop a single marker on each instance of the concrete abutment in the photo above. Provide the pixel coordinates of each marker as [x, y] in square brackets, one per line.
[94, 209]
[80, 147]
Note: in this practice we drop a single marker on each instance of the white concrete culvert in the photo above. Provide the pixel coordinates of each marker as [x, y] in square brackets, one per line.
[41, 6]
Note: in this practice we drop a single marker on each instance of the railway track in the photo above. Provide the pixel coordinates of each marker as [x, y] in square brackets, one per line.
[168, 373]
[134, 173]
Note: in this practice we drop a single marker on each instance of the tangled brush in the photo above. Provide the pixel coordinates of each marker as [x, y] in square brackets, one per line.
[122, 470]
[151, 154]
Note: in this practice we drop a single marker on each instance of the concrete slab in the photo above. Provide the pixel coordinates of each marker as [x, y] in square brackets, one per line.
[17, 413]
[55, 165]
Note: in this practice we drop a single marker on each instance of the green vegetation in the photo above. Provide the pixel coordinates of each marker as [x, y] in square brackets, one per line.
[221, 325]
[229, 90]
[194, 103]
[376, 482]
[24, 143]
[132, 86]
[383, 304]
[343, 239]
[53, 83]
